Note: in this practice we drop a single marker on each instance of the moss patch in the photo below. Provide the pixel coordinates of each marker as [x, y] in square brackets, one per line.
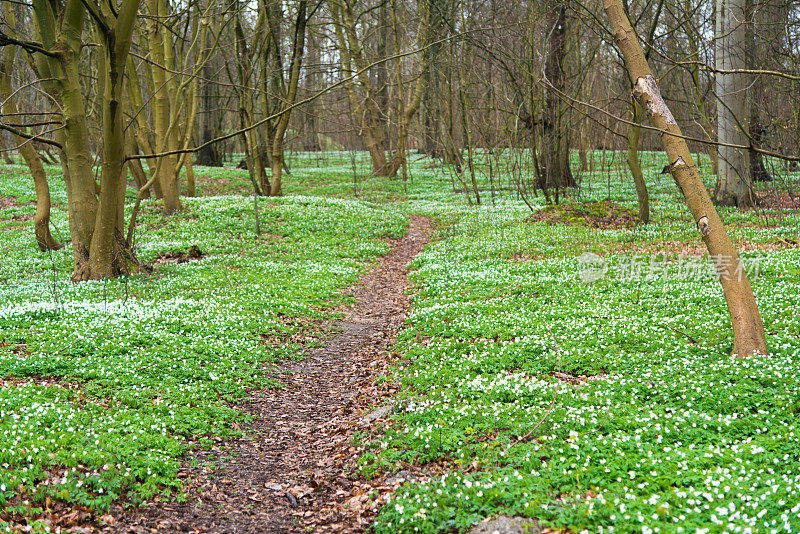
[601, 214]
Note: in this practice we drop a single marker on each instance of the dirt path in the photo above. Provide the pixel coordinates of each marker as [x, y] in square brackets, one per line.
[289, 473]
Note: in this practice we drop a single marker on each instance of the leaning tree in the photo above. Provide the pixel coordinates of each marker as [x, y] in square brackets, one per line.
[748, 329]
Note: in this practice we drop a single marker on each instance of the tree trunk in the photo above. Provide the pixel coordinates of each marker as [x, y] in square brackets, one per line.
[95, 227]
[166, 166]
[191, 187]
[555, 142]
[733, 176]
[756, 95]
[6, 153]
[209, 155]
[62, 84]
[288, 93]
[452, 152]
[80, 181]
[361, 92]
[748, 329]
[634, 131]
[311, 84]
[41, 221]
[584, 146]
[406, 111]
[276, 178]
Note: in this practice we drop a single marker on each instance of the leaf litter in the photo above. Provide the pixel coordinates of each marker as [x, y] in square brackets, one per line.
[294, 469]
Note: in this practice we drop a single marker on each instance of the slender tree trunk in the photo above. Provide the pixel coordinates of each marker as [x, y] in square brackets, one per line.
[756, 95]
[41, 221]
[95, 226]
[634, 131]
[699, 91]
[584, 146]
[209, 155]
[136, 168]
[81, 185]
[6, 153]
[166, 165]
[191, 186]
[406, 111]
[452, 152]
[61, 81]
[106, 255]
[289, 88]
[362, 93]
[312, 141]
[748, 329]
[467, 132]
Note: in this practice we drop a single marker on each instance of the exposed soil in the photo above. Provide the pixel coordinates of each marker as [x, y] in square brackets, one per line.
[193, 254]
[7, 202]
[774, 200]
[223, 186]
[293, 470]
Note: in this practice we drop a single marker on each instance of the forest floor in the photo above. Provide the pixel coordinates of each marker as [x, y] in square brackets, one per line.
[343, 370]
[290, 471]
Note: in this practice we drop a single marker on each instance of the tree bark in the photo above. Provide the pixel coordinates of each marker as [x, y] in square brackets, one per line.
[160, 47]
[209, 155]
[734, 184]
[95, 224]
[555, 141]
[363, 95]
[288, 97]
[106, 257]
[6, 152]
[62, 72]
[756, 94]
[634, 131]
[748, 329]
[41, 221]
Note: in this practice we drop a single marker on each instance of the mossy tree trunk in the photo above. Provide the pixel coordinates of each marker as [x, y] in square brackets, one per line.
[95, 219]
[41, 221]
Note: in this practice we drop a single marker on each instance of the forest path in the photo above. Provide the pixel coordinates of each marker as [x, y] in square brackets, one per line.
[288, 473]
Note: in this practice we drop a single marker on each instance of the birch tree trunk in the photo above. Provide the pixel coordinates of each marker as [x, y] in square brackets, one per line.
[748, 329]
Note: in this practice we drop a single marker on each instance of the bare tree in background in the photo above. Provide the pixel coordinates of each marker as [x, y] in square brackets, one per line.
[734, 183]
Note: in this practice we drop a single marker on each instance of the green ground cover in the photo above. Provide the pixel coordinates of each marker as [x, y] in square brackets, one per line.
[606, 405]
[104, 385]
